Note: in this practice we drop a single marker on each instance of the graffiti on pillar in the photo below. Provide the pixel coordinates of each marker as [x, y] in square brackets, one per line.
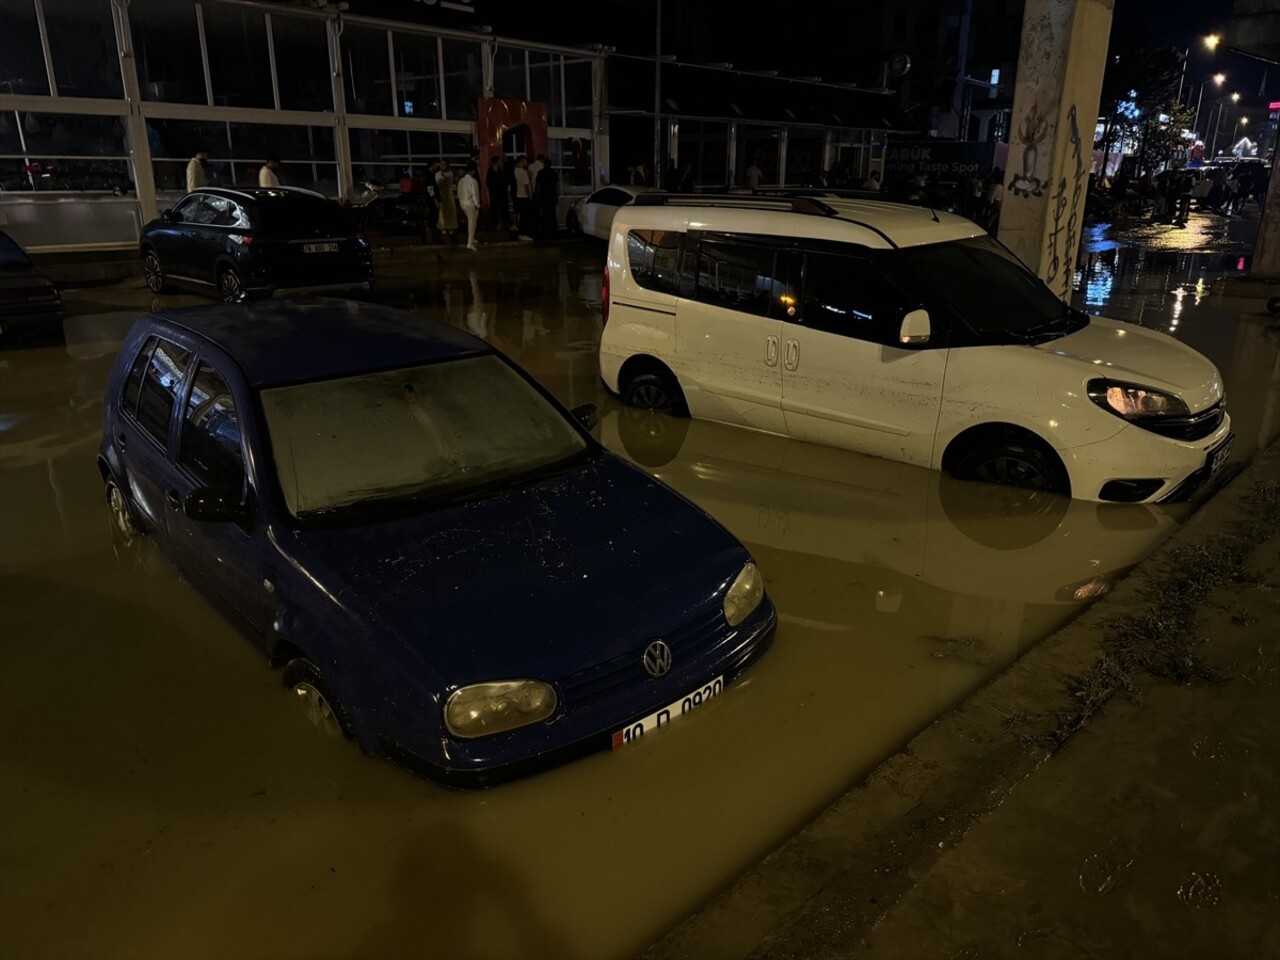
[1035, 127]
[1064, 237]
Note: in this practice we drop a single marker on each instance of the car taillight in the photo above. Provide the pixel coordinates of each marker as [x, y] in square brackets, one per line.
[604, 298]
[244, 239]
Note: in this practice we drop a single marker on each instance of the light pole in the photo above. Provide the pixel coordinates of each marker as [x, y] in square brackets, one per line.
[1219, 79]
[1211, 41]
[657, 96]
[1243, 121]
[1222, 109]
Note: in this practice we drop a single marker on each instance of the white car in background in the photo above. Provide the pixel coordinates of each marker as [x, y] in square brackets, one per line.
[592, 215]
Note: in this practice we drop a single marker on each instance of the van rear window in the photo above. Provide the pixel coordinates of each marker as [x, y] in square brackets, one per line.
[654, 256]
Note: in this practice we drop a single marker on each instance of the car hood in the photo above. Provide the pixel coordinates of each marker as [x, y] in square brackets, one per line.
[1125, 351]
[539, 581]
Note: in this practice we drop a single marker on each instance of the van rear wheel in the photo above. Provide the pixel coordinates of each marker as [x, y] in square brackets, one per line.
[658, 392]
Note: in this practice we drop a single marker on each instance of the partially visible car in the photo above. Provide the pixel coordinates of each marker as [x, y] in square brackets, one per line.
[448, 566]
[242, 244]
[30, 304]
[592, 215]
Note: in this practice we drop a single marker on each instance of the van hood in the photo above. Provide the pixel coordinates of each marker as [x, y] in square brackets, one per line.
[1124, 351]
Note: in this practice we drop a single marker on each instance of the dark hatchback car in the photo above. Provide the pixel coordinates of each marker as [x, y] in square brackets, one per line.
[239, 244]
[451, 570]
[30, 305]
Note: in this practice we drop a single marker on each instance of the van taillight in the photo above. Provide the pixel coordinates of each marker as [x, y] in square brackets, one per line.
[604, 298]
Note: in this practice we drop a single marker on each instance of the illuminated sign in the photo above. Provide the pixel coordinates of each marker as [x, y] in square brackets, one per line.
[1275, 105]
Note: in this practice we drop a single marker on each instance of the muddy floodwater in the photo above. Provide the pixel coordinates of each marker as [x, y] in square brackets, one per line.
[162, 796]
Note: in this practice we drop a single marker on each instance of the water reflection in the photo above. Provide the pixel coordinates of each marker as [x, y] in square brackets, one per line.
[960, 560]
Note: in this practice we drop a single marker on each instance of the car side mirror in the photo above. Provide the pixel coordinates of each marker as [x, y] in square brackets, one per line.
[916, 329]
[210, 505]
[588, 415]
[168, 216]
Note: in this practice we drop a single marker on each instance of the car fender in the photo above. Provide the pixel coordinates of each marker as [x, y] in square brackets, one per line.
[1019, 385]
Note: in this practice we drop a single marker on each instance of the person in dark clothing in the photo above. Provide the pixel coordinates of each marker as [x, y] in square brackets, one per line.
[547, 196]
[496, 182]
[686, 183]
[671, 178]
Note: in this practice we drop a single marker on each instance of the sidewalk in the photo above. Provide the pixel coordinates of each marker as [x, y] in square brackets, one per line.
[1116, 792]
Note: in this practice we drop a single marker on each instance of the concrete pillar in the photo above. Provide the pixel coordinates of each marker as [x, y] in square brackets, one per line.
[1055, 106]
[144, 180]
[1266, 254]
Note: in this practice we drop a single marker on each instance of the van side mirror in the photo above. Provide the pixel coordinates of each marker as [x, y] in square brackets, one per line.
[916, 329]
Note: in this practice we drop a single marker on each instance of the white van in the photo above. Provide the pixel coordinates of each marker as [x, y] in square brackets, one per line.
[903, 333]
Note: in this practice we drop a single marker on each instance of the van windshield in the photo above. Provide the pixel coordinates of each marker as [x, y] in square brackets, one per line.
[991, 290]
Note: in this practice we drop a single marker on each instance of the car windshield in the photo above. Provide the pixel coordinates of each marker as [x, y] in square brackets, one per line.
[396, 440]
[304, 216]
[11, 255]
[992, 291]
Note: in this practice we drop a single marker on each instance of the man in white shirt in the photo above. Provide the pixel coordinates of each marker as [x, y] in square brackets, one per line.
[469, 201]
[267, 176]
[534, 169]
[196, 176]
[524, 197]
[754, 176]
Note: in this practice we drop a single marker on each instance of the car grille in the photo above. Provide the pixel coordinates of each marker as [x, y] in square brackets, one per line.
[1195, 427]
[689, 641]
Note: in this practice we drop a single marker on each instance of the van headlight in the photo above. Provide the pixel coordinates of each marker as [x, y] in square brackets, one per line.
[742, 598]
[482, 709]
[1134, 402]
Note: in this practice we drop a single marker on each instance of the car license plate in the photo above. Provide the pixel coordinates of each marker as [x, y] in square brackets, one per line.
[319, 248]
[660, 718]
[1219, 457]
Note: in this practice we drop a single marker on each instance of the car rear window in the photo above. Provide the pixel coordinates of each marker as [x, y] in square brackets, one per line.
[304, 216]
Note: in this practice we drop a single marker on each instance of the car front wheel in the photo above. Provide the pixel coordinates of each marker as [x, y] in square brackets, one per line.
[153, 272]
[658, 392]
[1013, 464]
[230, 286]
[572, 224]
[319, 703]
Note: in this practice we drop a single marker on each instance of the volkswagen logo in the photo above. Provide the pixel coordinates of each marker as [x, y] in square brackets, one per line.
[657, 658]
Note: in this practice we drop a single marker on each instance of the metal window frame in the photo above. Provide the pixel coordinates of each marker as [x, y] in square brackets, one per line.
[271, 60]
[44, 47]
[392, 76]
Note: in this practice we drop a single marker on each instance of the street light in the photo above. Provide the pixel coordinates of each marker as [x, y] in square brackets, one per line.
[1222, 112]
[1211, 41]
[1219, 79]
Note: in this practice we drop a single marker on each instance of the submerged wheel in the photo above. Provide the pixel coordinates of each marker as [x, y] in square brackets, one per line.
[658, 392]
[230, 286]
[153, 272]
[121, 519]
[572, 225]
[318, 701]
[1013, 464]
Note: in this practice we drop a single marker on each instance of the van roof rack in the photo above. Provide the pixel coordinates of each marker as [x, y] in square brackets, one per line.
[810, 205]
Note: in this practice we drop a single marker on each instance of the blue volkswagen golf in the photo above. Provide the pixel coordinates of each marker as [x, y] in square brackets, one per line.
[449, 568]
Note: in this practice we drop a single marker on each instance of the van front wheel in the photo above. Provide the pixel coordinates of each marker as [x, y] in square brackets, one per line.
[657, 392]
[1014, 464]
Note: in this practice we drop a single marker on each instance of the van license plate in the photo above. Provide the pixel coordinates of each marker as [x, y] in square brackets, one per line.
[319, 248]
[1219, 457]
[660, 718]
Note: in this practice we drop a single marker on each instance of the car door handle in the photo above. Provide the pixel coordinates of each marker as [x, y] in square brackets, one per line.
[792, 358]
[121, 441]
[771, 351]
[173, 499]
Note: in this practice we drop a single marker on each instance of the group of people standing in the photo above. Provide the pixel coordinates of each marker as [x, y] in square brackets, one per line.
[522, 198]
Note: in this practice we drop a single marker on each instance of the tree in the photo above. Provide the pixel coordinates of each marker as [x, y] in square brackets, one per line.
[1162, 140]
[1136, 83]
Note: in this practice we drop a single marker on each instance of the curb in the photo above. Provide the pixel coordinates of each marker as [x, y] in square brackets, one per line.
[851, 865]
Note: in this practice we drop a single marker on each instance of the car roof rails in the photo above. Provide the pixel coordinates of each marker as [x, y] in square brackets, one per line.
[809, 205]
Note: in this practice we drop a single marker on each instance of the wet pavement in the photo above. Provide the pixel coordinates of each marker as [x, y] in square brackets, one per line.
[171, 802]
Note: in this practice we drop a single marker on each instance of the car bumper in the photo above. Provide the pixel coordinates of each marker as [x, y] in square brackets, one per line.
[31, 320]
[492, 760]
[1135, 454]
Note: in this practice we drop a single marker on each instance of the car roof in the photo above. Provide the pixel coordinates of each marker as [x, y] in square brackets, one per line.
[874, 223]
[294, 341]
[261, 194]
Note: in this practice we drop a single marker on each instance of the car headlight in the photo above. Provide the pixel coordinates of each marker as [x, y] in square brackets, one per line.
[1134, 402]
[482, 709]
[742, 598]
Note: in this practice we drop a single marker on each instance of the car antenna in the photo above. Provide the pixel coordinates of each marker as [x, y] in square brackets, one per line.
[935, 214]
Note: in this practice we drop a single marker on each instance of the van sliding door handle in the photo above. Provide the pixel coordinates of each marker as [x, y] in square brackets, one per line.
[771, 351]
[791, 359]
